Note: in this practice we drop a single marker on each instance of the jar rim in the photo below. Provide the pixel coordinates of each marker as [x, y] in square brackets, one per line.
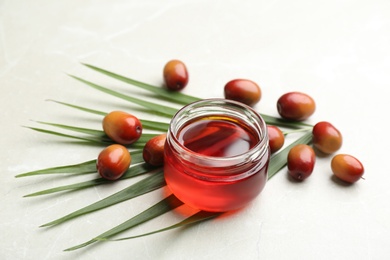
[257, 123]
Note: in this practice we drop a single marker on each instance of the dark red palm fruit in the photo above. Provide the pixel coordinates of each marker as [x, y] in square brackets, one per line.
[347, 168]
[175, 75]
[296, 106]
[300, 161]
[326, 137]
[243, 90]
[153, 152]
[113, 162]
[122, 127]
[276, 138]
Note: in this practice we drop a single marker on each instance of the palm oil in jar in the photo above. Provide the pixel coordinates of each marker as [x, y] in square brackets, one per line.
[216, 155]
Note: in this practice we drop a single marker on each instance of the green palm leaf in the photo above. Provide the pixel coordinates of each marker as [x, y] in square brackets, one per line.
[99, 134]
[174, 96]
[90, 140]
[153, 182]
[164, 206]
[94, 132]
[92, 111]
[131, 172]
[195, 218]
[154, 125]
[158, 109]
[80, 168]
[96, 140]
[283, 122]
[147, 124]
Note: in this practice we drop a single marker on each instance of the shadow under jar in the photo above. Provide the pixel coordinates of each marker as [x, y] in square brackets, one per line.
[216, 155]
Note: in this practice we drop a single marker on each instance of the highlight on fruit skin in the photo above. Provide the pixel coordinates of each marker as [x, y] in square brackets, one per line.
[113, 162]
[276, 138]
[326, 137]
[175, 75]
[296, 106]
[300, 162]
[153, 152]
[347, 168]
[122, 127]
[243, 90]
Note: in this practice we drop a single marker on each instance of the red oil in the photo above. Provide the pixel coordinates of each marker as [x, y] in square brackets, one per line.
[216, 137]
[210, 186]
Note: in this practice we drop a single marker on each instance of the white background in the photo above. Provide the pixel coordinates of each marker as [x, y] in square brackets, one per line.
[336, 51]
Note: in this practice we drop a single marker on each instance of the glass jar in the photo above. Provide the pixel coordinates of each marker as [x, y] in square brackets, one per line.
[216, 155]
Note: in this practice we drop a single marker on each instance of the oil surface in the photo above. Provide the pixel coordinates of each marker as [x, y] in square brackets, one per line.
[217, 137]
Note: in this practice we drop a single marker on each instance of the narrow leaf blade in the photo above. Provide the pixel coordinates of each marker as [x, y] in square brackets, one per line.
[176, 97]
[131, 172]
[154, 125]
[85, 139]
[147, 124]
[196, 218]
[80, 168]
[165, 205]
[146, 185]
[159, 109]
[92, 111]
[94, 132]
[283, 122]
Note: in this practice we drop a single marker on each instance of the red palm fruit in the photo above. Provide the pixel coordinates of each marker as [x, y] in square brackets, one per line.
[113, 162]
[122, 127]
[347, 168]
[153, 152]
[175, 75]
[326, 137]
[276, 138]
[300, 161]
[295, 106]
[243, 90]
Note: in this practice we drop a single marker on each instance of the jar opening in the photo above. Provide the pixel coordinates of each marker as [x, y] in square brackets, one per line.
[218, 133]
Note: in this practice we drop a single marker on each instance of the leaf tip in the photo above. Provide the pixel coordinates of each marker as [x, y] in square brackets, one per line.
[80, 246]
[72, 76]
[70, 249]
[46, 225]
